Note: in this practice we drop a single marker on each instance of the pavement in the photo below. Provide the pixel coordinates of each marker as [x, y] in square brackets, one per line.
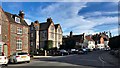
[35, 57]
[111, 59]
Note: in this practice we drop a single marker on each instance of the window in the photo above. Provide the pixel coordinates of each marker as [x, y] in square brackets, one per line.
[17, 19]
[19, 30]
[31, 28]
[44, 34]
[0, 29]
[37, 27]
[31, 43]
[19, 44]
[52, 35]
[0, 48]
[52, 28]
[31, 34]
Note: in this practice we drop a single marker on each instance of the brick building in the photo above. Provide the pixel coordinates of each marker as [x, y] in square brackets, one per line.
[14, 33]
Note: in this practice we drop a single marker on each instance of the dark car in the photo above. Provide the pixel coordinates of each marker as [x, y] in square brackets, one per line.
[61, 53]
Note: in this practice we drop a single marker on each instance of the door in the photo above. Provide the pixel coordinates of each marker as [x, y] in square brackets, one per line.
[5, 50]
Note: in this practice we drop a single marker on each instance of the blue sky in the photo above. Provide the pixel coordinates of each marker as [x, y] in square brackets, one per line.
[79, 17]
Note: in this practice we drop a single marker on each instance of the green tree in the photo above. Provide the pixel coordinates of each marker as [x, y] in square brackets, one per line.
[48, 44]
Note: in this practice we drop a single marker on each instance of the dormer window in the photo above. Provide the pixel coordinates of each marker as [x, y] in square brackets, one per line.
[17, 19]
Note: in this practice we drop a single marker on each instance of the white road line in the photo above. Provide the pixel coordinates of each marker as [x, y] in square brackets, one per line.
[101, 59]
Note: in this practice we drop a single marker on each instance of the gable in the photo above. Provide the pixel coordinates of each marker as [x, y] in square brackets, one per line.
[2, 15]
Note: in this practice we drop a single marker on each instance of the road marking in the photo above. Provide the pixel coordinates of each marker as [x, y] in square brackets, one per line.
[101, 59]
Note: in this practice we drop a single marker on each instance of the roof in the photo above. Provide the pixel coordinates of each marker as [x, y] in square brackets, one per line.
[77, 38]
[11, 19]
[56, 26]
[44, 25]
[89, 38]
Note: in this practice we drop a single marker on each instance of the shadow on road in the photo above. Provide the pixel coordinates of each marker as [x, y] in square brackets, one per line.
[90, 60]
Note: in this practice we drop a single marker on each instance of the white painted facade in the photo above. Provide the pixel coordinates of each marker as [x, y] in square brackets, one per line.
[58, 37]
[91, 45]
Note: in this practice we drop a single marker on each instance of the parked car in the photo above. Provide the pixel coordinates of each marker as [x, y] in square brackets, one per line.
[82, 51]
[3, 59]
[62, 52]
[74, 51]
[20, 57]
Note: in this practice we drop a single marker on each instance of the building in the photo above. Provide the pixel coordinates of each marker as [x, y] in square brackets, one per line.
[34, 37]
[96, 41]
[14, 33]
[73, 41]
[4, 33]
[90, 43]
[43, 34]
[58, 35]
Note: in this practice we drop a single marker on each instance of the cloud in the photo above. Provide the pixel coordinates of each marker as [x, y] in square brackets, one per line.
[98, 13]
[67, 15]
[114, 32]
[28, 21]
[60, 0]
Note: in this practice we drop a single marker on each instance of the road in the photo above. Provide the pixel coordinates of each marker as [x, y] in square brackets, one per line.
[90, 60]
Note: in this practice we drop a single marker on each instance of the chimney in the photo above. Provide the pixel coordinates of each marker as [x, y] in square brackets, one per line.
[71, 34]
[21, 14]
[49, 19]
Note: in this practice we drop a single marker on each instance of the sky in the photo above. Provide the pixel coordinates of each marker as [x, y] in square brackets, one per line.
[79, 17]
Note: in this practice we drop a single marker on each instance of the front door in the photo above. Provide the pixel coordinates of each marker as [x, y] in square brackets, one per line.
[5, 49]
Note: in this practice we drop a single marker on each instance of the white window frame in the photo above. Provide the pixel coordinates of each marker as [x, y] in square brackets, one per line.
[19, 44]
[17, 20]
[0, 48]
[19, 30]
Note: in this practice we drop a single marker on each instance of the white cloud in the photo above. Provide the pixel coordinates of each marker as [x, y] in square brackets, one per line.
[98, 13]
[28, 21]
[114, 32]
[67, 15]
[60, 0]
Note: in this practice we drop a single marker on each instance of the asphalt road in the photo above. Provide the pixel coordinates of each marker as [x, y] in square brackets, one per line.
[90, 60]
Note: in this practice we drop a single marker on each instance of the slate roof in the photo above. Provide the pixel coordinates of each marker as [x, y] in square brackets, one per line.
[77, 37]
[44, 25]
[56, 26]
[11, 18]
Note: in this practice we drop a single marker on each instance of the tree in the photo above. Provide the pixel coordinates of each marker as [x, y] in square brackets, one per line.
[48, 44]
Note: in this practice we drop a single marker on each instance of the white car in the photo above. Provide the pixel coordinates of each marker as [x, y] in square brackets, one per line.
[20, 57]
[3, 59]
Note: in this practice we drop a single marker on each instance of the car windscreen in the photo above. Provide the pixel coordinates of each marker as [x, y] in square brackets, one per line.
[22, 53]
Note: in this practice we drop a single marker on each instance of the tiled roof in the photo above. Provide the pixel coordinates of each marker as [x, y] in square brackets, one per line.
[89, 38]
[11, 18]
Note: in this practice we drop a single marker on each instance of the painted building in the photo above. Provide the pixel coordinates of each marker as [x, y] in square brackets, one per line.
[58, 35]
[46, 31]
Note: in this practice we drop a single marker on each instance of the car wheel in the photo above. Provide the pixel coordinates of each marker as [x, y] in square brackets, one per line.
[6, 64]
[28, 61]
[14, 61]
